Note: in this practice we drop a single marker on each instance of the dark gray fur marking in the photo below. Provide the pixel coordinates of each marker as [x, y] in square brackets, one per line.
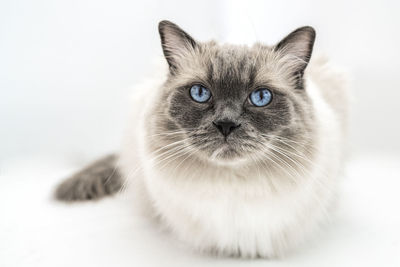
[97, 180]
[231, 73]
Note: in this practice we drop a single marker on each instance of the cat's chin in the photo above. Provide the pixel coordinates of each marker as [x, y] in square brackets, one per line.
[234, 162]
[226, 156]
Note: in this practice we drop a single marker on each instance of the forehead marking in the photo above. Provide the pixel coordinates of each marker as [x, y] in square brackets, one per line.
[231, 70]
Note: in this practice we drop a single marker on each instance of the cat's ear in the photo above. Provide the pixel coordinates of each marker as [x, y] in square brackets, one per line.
[175, 43]
[298, 45]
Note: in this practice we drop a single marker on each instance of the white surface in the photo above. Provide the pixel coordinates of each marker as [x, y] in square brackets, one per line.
[36, 231]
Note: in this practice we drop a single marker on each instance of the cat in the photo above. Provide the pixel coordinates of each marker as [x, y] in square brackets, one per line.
[237, 150]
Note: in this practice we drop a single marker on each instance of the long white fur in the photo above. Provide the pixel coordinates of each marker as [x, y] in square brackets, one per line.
[213, 212]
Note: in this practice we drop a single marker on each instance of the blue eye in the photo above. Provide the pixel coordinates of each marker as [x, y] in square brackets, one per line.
[200, 94]
[261, 97]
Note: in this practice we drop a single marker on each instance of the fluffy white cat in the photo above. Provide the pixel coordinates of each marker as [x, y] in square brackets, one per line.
[237, 150]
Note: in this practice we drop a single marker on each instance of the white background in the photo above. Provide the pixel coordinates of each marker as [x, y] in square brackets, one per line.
[66, 69]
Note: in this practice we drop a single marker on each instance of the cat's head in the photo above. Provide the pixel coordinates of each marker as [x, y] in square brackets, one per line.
[228, 103]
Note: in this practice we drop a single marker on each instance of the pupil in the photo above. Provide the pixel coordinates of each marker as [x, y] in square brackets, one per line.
[200, 91]
[261, 95]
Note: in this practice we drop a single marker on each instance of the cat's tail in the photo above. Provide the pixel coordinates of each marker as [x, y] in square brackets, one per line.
[99, 179]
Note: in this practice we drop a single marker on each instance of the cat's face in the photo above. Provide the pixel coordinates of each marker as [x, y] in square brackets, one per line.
[229, 103]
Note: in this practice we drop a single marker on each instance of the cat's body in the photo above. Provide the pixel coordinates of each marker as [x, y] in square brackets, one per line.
[263, 187]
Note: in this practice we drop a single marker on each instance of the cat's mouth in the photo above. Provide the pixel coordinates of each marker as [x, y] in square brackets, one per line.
[226, 152]
[223, 149]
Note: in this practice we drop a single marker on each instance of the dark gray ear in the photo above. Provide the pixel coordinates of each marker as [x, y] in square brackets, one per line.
[299, 45]
[175, 43]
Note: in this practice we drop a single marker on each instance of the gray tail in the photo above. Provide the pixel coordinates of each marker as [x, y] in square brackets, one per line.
[99, 179]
